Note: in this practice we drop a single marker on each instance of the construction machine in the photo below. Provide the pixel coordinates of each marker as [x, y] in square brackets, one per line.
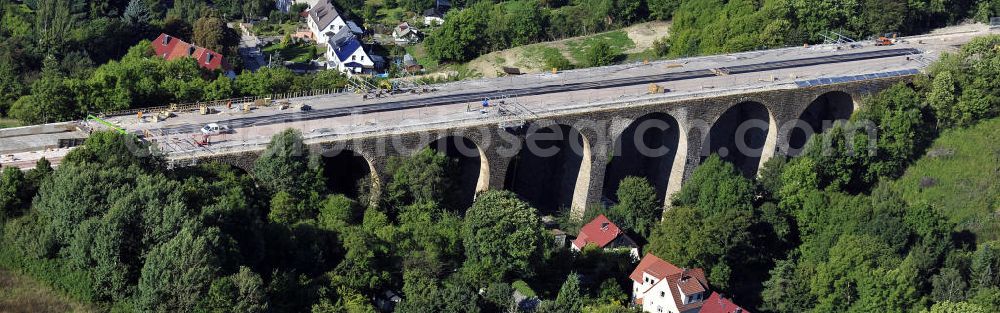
[885, 40]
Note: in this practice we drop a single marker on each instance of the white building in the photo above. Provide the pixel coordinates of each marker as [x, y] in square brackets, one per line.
[661, 287]
[324, 21]
[346, 54]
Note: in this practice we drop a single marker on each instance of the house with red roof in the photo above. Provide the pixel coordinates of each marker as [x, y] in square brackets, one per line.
[661, 287]
[172, 48]
[716, 303]
[604, 234]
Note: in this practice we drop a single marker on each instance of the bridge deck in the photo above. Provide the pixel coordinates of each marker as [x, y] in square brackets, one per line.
[457, 103]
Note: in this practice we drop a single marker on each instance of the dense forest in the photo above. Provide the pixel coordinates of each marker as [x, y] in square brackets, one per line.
[822, 232]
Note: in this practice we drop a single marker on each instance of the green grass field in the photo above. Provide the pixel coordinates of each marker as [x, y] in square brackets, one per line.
[618, 41]
[8, 123]
[960, 176]
[20, 293]
[293, 52]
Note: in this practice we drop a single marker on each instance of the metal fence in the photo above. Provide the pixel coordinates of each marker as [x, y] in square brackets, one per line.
[218, 104]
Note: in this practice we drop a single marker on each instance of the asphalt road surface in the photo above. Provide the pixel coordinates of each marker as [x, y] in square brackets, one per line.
[544, 89]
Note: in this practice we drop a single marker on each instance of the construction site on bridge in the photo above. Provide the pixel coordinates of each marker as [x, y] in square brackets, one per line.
[364, 109]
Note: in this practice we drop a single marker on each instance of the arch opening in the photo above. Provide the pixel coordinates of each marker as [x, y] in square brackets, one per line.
[345, 172]
[647, 148]
[739, 136]
[468, 171]
[546, 170]
[818, 117]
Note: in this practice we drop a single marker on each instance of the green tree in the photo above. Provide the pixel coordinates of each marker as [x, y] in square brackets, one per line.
[420, 178]
[637, 209]
[502, 235]
[179, 273]
[113, 150]
[662, 9]
[942, 98]
[949, 285]
[600, 54]
[240, 292]
[137, 16]
[901, 118]
[336, 212]
[12, 196]
[788, 289]
[569, 298]
[716, 186]
[986, 266]
[955, 307]
[286, 165]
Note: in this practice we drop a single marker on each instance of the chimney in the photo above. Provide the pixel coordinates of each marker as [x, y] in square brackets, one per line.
[604, 226]
[191, 49]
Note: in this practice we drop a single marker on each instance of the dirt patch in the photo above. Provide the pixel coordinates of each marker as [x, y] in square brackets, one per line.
[529, 59]
[20, 294]
[643, 35]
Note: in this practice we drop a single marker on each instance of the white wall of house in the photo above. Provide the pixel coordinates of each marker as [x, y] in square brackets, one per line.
[321, 34]
[358, 56]
[655, 300]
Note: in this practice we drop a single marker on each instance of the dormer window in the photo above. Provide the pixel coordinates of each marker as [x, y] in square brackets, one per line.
[166, 39]
[208, 58]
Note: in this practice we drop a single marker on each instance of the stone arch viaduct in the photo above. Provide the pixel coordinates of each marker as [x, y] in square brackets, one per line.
[575, 159]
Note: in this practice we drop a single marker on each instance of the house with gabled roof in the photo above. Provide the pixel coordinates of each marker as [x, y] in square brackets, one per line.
[346, 54]
[172, 48]
[661, 287]
[716, 303]
[324, 21]
[604, 234]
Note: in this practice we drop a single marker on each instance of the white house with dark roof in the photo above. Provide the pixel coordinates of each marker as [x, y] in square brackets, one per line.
[324, 21]
[346, 54]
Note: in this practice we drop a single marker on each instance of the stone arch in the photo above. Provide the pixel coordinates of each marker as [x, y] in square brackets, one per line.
[345, 170]
[552, 169]
[470, 172]
[648, 147]
[744, 135]
[817, 117]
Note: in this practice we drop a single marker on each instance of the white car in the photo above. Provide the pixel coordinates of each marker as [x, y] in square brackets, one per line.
[214, 129]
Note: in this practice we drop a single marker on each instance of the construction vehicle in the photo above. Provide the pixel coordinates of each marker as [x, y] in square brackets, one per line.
[885, 40]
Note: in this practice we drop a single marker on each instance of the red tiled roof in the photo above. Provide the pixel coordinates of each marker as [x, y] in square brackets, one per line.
[686, 281]
[172, 48]
[600, 231]
[718, 304]
[655, 266]
[690, 281]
